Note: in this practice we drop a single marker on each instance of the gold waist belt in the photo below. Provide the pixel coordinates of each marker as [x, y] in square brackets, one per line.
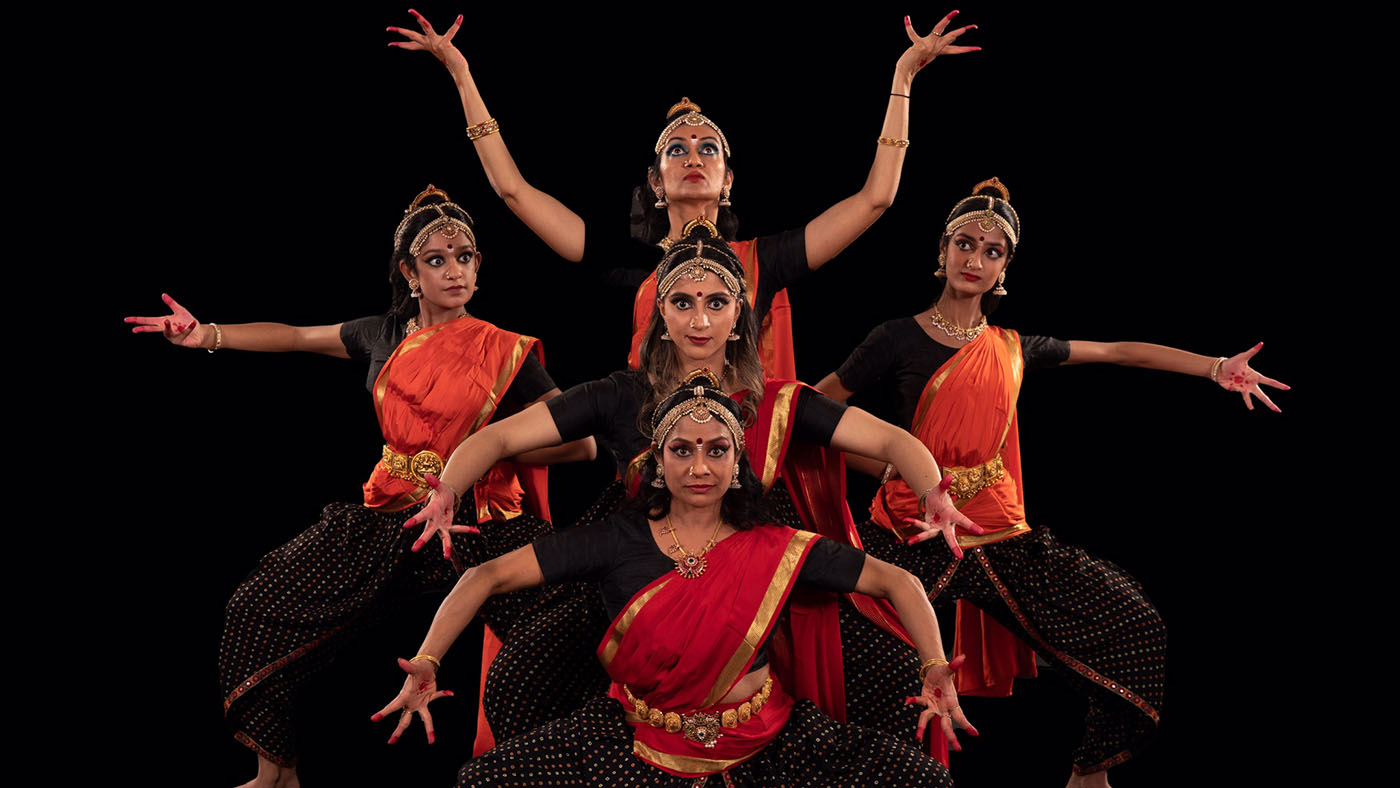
[967, 482]
[700, 727]
[402, 466]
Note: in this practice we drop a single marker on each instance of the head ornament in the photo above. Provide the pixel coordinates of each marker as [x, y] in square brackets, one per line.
[691, 117]
[987, 218]
[707, 400]
[685, 259]
[449, 225]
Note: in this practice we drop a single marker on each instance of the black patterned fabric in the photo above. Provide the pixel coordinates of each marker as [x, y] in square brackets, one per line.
[593, 747]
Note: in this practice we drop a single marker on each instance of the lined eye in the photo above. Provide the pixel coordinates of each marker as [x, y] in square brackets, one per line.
[680, 302]
[676, 149]
[718, 302]
[709, 149]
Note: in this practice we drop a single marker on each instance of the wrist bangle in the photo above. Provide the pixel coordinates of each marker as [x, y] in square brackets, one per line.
[456, 496]
[888, 473]
[901, 95]
[428, 658]
[892, 142]
[218, 338]
[923, 496]
[490, 126]
[924, 669]
[1215, 369]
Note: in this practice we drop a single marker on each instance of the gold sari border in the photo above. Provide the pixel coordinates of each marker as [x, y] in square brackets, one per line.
[410, 343]
[977, 540]
[624, 622]
[684, 764]
[777, 433]
[931, 391]
[503, 379]
[768, 608]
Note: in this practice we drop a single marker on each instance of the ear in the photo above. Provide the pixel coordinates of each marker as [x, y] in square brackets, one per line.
[728, 179]
[653, 178]
[407, 270]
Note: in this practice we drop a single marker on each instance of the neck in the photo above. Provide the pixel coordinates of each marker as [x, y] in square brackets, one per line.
[687, 519]
[965, 311]
[430, 314]
[681, 212]
[714, 362]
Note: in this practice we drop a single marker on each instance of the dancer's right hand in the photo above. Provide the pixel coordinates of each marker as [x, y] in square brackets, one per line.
[436, 517]
[419, 689]
[180, 327]
[429, 41]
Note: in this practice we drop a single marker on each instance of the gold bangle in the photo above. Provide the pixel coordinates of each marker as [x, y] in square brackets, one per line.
[428, 658]
[218, 338]
[480, 130]
[924, 669]
[892, 142]
[1215, 369]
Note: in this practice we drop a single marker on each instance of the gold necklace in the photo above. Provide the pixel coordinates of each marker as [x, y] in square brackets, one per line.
[412, 324]
[953, 330]
[690, 566]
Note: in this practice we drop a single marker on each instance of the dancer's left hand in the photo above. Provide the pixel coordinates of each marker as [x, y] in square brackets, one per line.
[436, 517]
[1236, 375]
[923, 49]
[940, 699]
[942, 517]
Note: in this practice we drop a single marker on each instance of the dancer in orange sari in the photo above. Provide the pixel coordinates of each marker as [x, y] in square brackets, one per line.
[437, 375]
[697, 581]
[1020, 589]
[690, 176]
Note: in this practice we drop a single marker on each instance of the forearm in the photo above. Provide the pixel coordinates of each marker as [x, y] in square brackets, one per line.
[912, 460]
[582, 450]
[456, 612]
[866, 465]
[860, 433]
[910, 601]
[548, 218]
[526, 431]
[1141, 354]
[273, 338]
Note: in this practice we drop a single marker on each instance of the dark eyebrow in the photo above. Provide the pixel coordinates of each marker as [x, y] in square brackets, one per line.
[962, 234]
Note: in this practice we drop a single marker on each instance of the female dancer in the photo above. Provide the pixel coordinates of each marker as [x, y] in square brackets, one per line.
[957, 381]
[437, 375]
[704, 322]
[691, 177]
[696, 581]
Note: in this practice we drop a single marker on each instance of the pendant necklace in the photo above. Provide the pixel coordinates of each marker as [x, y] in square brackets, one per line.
[688, 565]
[954, 330]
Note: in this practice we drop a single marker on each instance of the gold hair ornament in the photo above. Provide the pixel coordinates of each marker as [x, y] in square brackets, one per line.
[699, 266]
[987, 219]
[450, 225]
[701, 409]
[692, 117]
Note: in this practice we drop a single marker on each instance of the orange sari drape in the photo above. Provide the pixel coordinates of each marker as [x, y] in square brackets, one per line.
[966, 416]
[775, 334]
[439, 386]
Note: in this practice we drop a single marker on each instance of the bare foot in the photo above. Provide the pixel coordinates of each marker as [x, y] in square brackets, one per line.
[1091, 780]
[270, 775]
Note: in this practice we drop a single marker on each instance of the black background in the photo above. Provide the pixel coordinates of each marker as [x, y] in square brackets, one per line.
[264, 158]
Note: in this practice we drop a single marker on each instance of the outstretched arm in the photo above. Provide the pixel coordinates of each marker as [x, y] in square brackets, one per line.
[1233, 374]
[906, 593]
[181, 328]
[843, 222]
[581, 450]
[831, 387]
[555, 224]
[513, 571]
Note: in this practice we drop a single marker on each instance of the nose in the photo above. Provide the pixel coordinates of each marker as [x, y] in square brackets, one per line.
[699, 468]
[693, 159]
[973, 260]
[700, 321]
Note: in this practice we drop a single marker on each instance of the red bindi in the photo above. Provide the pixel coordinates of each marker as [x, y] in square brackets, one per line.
[449, 246]
[699, 294]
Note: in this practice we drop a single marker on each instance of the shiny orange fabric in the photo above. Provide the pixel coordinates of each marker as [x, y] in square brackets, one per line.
[966, 416]
[775, 334]
[440, 385]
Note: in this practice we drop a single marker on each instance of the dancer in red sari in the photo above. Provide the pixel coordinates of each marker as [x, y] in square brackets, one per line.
[437, 375]
[958, 381]
[690, 176]
[705, 621]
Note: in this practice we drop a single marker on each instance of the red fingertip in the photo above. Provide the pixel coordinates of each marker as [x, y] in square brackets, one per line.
[911, 540]
[376, 717]
[448, 693]
[977, 49]
[906, 21]
[953, 14]
[393, 739]
[431, 738]
[945, 483]
[937, 693]
[459, 19]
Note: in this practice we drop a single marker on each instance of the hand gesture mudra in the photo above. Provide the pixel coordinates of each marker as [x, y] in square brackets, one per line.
[1236, 375]
[941, 516]
[923, 49]
[419, 689]
[180, 327]
[939, 696]
[429, 40]
[436, 517]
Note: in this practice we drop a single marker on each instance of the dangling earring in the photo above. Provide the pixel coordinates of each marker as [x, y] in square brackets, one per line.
[942, 272]
[724, 198]
[733, 336]
[1000, 289]
[660, 198]
[734, 483]
[660, 481]
[413, 290]
[665, 335]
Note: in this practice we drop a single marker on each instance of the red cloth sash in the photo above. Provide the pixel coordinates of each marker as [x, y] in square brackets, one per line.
[775, 334]
[967, 415]
[682, 644]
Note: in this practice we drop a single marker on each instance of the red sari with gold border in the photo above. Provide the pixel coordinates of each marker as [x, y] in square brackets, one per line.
[681, 644]
[775, 334]
[966, 416]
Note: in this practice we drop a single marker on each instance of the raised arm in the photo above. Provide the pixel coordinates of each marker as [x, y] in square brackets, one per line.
[555, 224]
[860, 433]
[843, 222]
[181, 328]
[1232, 374]
[906, 593]
[513, 571]
[581, 450]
